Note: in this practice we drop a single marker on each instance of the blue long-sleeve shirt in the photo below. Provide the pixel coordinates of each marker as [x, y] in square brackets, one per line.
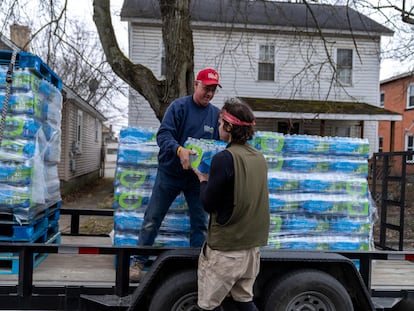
[183, 119]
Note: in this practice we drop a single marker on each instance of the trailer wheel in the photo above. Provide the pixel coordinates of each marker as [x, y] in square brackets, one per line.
[307, 290]
[177, 293]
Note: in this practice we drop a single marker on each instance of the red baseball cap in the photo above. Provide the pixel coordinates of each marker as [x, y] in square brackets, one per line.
[208, 76]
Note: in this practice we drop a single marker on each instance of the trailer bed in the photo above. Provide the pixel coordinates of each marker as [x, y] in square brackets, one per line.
[96, 269]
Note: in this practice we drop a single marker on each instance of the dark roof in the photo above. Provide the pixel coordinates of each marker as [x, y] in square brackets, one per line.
[269, 13]
[318, 107]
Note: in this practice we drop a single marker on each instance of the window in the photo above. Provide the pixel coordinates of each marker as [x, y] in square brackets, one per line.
[410, 96]
[79, 131]
[112, 151]
[380, 144]
[288, 127]
[266, 63]
[163, 64]
[409, 146]
[96, 129]
[343, 131]
[382, 96]
[344, 66]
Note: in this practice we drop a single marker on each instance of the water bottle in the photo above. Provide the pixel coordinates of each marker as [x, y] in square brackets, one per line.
[268, 142]
[51, 94]
[176, 222]
[179, 204]
[204, 152]
[24, 103]
[349, 146]
[20, 126]
[132, 177]
[172, 240]
[14, 196]
[17, 149]
[350, 225]
[282, 182]
[52, 113]
[134, 135]
[128, 220]
[283, 203]
[131, 199]
[274, 163]
[23, 80]
[305, 144]
[138, 154]
[16, 173]
[125, 238]
[305, 164]
[349, 166]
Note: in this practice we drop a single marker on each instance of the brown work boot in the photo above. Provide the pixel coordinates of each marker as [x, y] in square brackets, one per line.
[135, 271]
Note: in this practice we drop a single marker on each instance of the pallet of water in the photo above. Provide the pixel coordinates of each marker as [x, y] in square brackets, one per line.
[44, 228]
[38, 230]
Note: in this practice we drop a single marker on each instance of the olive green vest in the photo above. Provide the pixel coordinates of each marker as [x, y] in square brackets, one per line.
[248, 225]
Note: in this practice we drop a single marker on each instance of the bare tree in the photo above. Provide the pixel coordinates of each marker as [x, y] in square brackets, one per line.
[396, 15]
[179, 52]
[70, 49]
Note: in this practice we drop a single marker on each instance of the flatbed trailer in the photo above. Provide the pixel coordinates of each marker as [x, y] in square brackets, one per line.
[288, 280]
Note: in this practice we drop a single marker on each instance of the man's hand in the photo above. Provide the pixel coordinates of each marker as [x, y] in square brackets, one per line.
[185, 157]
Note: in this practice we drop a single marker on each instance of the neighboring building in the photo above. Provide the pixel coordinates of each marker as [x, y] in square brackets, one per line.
[81, 131]
[82, 157]
[397, 94]
[308, 69]
[110, 152]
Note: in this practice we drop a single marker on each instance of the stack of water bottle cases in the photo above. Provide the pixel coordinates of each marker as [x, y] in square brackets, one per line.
[318, 190]
[29, 153]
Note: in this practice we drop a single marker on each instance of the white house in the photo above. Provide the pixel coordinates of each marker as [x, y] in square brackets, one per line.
[310, 69]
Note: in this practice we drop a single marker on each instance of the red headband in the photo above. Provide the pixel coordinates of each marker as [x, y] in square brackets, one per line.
[227, 116]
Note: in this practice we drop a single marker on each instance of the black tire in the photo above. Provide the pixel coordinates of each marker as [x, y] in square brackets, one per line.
[307, 290]
[177, 293]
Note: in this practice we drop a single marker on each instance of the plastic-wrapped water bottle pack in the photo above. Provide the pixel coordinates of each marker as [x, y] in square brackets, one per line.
[318, 189]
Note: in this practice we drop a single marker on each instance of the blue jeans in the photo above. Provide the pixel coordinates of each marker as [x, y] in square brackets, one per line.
[166, 189]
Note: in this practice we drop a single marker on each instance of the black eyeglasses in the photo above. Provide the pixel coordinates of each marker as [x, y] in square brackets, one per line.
[208, 89]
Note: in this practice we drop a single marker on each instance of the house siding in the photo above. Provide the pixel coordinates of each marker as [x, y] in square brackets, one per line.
[88, 159]
[145, 49]
[234, 55]
[140, 112]
[236, 60]
[63, 166]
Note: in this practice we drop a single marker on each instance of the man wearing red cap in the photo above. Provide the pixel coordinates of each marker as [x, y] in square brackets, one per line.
[189, 116]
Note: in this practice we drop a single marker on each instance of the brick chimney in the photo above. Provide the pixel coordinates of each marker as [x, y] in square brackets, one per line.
[20, 35]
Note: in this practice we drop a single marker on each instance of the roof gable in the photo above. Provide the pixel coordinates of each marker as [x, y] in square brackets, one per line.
[265, 13]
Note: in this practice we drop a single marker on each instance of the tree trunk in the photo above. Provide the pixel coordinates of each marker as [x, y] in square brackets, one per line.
[179, 53]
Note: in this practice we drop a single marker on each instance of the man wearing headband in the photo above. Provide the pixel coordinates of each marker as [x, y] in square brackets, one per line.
[236, 197]
[189, 116]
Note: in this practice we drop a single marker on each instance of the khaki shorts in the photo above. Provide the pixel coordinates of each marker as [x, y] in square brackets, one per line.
[223, 273]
